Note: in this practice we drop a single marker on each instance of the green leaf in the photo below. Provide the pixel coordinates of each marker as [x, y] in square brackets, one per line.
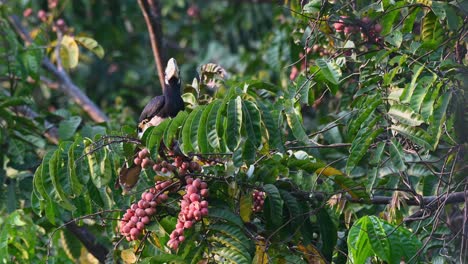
[409, 90]
[369, 106]
[294, 120]
[69, 52]
[420, 92]
[427, 106]
[328, 233]
[370, 236]
[212, 131]
[231, 256]
[186, 145]
[378, 238]
[153, 137]
[234, 123]
[196, 123]
[91, 45]
[55, 163]
[226, 214]
[273, 128]
[234, 232]
[292, 205]
[437, 120]
[68, 127]
[174, 126]
[397, 155]
[75, 184]
[388, 20]
[359, 148]
[395, 38]
[415, 134]
[202, 139]
[231, 243]
[432, 33]
[251, 118]
[330, 70]
[377, 155]
[273, 209]
[405, 115]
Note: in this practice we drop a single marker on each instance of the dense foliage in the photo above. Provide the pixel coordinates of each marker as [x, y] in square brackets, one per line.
[331, 131]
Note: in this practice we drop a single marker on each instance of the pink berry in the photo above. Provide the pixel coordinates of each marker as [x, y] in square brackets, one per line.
[196, 183]
[378, 28]
[204, 211]
[189, 180]
[194, 197]
[204, 204]
[137, 161]
[203, 185]
[150, 211]
[140, 225]
[134, 232]
[188, 224]
[204, 193]
[145, 220]
[140, 212]
[191, 189]
[181, 238]
[149, 196]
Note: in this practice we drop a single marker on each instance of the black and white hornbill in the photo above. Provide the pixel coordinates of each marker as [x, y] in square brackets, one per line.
[159, 108]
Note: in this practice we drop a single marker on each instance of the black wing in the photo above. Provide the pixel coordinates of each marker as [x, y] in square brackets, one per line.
[152, 108]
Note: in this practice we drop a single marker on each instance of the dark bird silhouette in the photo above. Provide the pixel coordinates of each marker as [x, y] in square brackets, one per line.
[159, 108]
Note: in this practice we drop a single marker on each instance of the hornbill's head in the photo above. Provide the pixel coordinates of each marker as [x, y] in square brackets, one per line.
[172, 74]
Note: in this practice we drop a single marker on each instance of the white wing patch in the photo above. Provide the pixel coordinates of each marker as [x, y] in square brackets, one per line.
[155, 121]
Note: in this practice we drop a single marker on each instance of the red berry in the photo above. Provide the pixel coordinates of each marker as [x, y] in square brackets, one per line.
[204, 193]
[156, 167]
[203, 185]
[191, 189]
[163, 197]
[140, 212]
[149, 196]
[204, 211]
[140, 225]
[137, 161]
[194, 197]
[378, 28]
[164, 170]
[188, 224]
[134, 232]
[145, 220]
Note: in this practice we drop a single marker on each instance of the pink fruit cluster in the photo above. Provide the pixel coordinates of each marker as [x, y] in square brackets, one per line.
[180, 165]
[193, 207]
[258, 200]
[369, 30]
[134, 220]
[142, 159]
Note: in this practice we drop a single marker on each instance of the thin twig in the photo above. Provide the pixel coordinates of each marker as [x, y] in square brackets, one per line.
[151, 13]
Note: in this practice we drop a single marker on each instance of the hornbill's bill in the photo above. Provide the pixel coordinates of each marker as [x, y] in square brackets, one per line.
[159, 108]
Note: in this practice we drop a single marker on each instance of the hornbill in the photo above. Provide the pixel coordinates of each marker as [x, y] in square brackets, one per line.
[159, 108]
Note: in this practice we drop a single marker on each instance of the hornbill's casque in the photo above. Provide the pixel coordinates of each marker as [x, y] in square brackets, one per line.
[159, 108]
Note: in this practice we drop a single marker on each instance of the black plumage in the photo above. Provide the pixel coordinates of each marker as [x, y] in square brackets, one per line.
[159, 108]
[166, 105]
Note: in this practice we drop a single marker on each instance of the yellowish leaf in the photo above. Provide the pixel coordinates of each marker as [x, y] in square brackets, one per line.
[246, 206]
[128, 256]
[69, 52]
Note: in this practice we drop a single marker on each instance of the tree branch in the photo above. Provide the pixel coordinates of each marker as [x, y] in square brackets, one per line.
[66, 84]
[51, 133]
[151, 13]
[429, 202]
[89, 241]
